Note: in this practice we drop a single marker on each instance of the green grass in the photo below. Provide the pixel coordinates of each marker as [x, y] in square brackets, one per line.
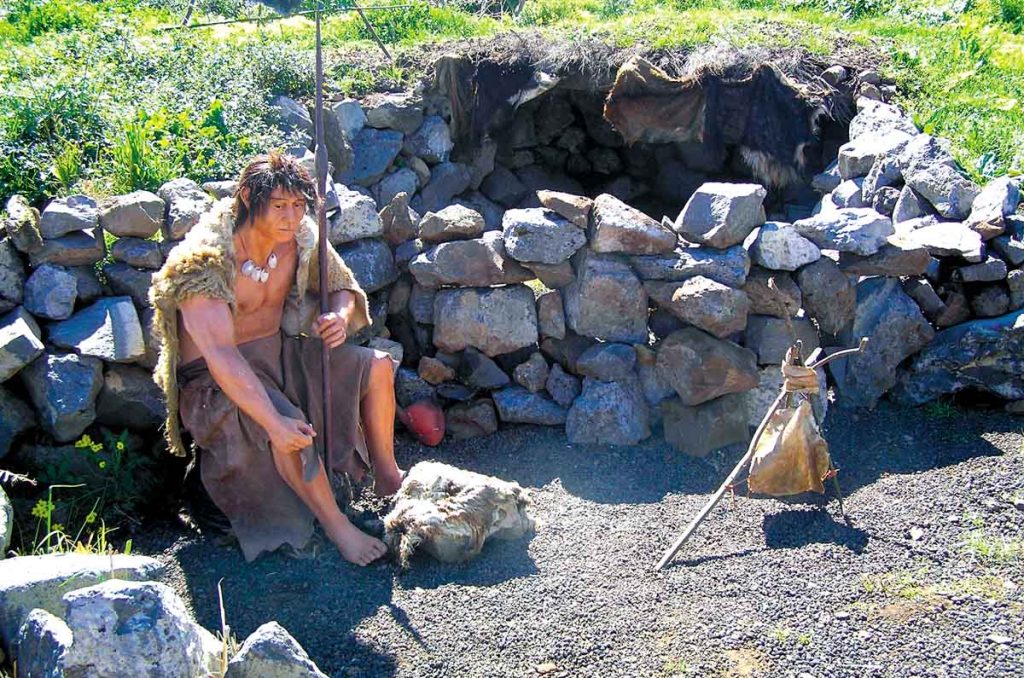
[199, 99]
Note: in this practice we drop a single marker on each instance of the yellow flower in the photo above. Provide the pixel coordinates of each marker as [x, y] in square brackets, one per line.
[120, 446]
[84, 441]
[42, 509]
[56, 527]
[96, 447]
[103, 464]
[91, 518]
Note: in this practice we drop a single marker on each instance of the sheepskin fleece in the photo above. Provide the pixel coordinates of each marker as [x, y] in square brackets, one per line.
[203, 265]
[450, 513]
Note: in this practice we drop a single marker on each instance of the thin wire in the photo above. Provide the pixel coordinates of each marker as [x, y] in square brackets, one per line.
[263, 19]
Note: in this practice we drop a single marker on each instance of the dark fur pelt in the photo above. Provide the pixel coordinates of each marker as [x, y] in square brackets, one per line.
[450, 513]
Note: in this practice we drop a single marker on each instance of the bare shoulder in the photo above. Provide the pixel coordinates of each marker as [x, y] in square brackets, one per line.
[208, 321]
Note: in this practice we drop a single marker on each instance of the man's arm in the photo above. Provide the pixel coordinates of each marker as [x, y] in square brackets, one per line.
[332, 327]
[209, 323]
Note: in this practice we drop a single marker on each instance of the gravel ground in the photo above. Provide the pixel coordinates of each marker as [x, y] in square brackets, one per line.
[926, 579]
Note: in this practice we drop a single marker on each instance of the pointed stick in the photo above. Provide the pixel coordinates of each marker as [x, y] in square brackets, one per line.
[323, 244]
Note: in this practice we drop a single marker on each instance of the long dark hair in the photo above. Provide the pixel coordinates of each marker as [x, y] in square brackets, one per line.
[263, 175]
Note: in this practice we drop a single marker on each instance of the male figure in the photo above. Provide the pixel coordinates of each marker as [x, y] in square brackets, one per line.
[231, 303]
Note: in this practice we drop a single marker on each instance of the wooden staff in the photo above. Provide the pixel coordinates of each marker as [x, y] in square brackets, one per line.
[322, 248]
[717, 497]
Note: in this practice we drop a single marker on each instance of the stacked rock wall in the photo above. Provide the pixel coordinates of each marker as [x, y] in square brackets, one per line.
[513, 300]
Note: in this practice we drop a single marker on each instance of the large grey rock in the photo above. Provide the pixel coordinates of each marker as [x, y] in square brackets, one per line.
[1015, 283]
[702, 302]
[482, 262]
[66, 215]
[947, 240]
[80, 248]
[63, 389]
[884, 174]
[128, 628]
[447, 180]
[606, 301]
[772, 293]
[402, 180]
[130, 399]
[356, 218]
[983, 355]
[617, 227]
[875, 118]
[884, 200]
[770, 337]
[849, 194]
[894, 259]
[43, 642]
[348, 116]
[186, 203]
[454, 222]
[399, 221]
[20, 342]
[137, 252]
[30, 582]
[471, 420]
[540, 235]
[294, 118]
[432, 141]
[410, 387]
[729, 266]
[990, 301]
[829, 296]
[911, 205]
[607, 362]
[15, 418]
[896, 330]
[551, 315]
[125, 280]
[722, 215]
[700, 367]
[373, 152]
[478, 202]
[698, 430]
[50, 292]
[503, 187]
[421, 304]
[271, 652]
[554, 276]
[22, 225]
[779, 247]
[1010, 246]
[371, 262]
[859, 231]
[990, 270]
[89, 287]
[516, 405]
[609, 413]
[403, 112]
[929, 168]
[12, 276]
[857, 156]
[497, 320]
[137, 214]
[479, 371]
[995, 202]
[575, 208]
[564, 388]
[532, 374]
[828, 180]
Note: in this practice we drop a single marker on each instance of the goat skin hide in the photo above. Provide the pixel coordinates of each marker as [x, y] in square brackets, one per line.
[449, 513]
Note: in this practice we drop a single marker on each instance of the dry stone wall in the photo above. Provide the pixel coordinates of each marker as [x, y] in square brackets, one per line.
[511, 297]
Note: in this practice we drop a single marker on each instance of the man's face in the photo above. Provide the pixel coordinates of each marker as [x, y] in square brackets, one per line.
[282, 215]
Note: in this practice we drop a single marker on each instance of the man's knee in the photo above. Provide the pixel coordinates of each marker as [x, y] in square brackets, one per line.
[382, 371]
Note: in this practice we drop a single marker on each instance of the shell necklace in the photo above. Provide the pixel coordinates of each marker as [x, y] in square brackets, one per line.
[258, 273]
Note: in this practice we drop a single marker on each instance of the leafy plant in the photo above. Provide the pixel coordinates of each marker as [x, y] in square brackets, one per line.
[67, 166]
[137, 163]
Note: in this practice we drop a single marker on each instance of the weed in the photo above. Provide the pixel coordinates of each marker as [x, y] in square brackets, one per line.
[992, 550]
[67, 166]
[136, 161]
[676, 667]
[781, 633]
[804, 638]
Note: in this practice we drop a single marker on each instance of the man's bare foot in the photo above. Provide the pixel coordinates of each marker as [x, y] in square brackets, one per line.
[356, 546]
[387, 481]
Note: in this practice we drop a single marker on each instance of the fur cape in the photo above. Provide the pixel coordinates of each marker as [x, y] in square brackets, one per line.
[203, 265]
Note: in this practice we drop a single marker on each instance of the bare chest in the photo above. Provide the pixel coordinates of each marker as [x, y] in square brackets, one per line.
[255, 298]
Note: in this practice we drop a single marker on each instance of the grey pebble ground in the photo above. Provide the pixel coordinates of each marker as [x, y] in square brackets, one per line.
[927, 579]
